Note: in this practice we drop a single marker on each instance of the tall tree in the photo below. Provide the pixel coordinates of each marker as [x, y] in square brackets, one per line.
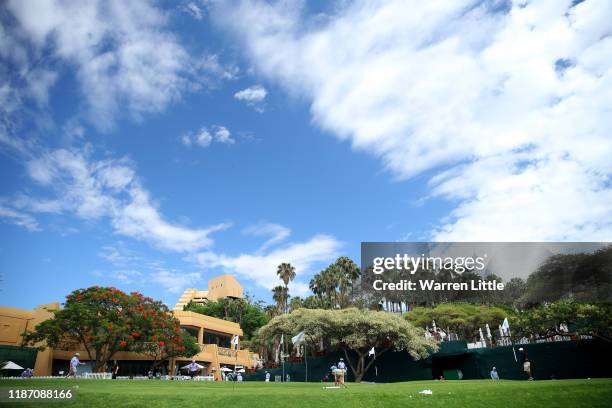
[286, 272]
[349, 271]
[279, 293]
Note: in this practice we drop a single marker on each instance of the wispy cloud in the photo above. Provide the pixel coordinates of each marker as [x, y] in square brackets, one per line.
[194, 10]
[21, 219]
[204, 136]
[508, 105]
[93, 189]
[127, 61]
[276, 232]
[261, 266]
[174, 281]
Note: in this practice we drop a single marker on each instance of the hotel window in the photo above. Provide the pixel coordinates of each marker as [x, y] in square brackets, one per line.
[221, 340]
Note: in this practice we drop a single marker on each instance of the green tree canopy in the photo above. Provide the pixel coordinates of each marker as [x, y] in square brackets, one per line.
[353, 330]
[545, 320]
[462, 318]
[250, 316]
[583, 277]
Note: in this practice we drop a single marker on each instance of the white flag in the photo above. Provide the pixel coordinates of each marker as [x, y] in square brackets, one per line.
[372, 352]
[298, 338]
[506, 326]
[235, 340]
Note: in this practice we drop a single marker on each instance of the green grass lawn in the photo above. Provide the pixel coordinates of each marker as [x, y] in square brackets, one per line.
[468, 393]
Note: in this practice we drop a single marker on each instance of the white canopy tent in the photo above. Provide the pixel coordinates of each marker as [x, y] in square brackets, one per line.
[9, 365]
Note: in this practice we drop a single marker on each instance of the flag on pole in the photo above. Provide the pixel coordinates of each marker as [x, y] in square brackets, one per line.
[372, 352]
[298, 338]
[235, 340]
[506, 326]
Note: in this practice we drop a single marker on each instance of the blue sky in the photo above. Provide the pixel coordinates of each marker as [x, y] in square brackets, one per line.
[154, 145]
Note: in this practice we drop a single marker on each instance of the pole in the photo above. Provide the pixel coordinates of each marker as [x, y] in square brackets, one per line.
[235, 364]
[306, 361]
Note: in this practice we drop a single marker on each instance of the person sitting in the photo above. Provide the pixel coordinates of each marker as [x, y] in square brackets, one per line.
[494, 374]
[27, 373]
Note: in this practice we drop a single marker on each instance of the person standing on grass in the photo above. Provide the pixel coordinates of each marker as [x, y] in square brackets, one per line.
[267, 376]
[342, 371]
[74, 362]
[526, 363]
[115, 370]
[194, 369]
[494, 375]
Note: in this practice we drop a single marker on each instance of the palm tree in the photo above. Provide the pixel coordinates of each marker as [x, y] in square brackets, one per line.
[296, 303]
[286, 272]
[279, 294]
[350, 270]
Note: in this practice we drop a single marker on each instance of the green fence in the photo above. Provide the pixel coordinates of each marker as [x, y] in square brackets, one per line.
[23, 356]
[581, 359]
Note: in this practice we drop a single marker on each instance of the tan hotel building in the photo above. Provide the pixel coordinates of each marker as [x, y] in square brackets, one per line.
[213, 335]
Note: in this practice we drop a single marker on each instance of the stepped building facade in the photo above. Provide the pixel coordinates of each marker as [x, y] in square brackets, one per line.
[212, 334]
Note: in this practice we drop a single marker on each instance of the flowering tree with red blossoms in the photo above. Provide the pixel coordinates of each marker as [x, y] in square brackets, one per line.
[105, 320]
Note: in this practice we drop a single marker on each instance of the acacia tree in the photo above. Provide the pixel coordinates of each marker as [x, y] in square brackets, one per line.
[462, 318]
[104, 320]
[355, 332]
[578, 318]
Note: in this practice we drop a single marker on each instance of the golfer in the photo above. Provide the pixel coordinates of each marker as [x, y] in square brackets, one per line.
[267, 376]
[74, 362]
[339, 374]
[526, 363]
[194, 369]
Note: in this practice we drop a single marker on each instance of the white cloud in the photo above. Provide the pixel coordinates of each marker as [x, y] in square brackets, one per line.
[261, 266]
[508, 105]
[253, 94]
[13, 216]
[127, 276]
[194, 10]
[204, 136]
[254, 97]
[223, 135]
[175, 282]
[125, 57]
[276, 232]
[108, 188]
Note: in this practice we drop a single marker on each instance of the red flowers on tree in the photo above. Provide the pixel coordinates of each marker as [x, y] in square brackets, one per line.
[106, 320]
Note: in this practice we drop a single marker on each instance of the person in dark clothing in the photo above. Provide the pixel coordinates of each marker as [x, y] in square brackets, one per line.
[115, 370]
[526, 363]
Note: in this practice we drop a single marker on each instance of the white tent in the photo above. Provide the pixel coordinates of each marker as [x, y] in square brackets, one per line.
[226, 369]
[9, 365]
[200, 366]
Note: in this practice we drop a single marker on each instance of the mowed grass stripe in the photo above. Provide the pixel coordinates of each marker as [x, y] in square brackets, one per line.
[468, 393]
